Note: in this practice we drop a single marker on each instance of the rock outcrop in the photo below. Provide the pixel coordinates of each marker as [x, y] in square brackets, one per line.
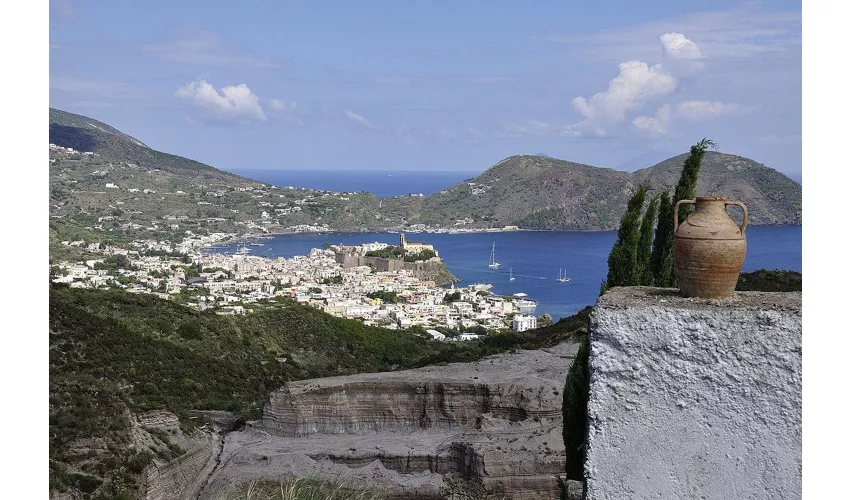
[489, 426]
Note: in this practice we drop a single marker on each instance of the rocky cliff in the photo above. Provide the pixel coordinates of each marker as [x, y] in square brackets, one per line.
[491, 426]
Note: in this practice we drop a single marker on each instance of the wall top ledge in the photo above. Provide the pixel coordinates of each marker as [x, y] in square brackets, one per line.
[628, 297]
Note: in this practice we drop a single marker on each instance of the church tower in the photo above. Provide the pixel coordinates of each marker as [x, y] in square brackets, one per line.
[402, 241]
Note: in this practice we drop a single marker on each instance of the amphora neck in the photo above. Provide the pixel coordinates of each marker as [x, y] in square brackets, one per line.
[709, 205]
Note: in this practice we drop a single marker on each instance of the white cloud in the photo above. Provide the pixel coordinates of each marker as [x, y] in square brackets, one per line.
[677, 46]
[655, 125]
[232, 102]
[358, 118]
[697, 110]
[279, 105]
[636, 84]
[692, 110]
[748, 31]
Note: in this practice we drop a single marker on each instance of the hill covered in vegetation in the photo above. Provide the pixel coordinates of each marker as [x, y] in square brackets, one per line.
[116, 355]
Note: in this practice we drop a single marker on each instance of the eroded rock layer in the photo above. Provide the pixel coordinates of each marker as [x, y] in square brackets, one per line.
[493, 426]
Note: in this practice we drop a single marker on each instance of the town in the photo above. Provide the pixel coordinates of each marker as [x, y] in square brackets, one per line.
[238, 283]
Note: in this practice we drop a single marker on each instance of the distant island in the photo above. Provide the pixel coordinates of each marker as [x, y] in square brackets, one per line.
[105, 184]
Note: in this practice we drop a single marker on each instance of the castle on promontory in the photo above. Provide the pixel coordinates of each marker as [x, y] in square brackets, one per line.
[413, 247]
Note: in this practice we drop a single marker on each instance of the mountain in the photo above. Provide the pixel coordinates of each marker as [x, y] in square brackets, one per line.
[771, 196]
[86, 134]
[113, 184]
[102, 180]
[536, 192]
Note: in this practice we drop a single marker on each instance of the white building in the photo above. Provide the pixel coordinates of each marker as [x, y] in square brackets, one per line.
[436, 335]
[523, 323]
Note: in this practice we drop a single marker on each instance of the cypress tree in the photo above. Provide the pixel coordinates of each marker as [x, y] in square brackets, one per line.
[644, 248]
[685, 190]
[574, 409]
[623, 259]
[661, 262]
[687, 186]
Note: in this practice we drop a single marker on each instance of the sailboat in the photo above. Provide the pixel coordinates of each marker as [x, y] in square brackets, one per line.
[512, 274]
[493, 264]
[562, 277]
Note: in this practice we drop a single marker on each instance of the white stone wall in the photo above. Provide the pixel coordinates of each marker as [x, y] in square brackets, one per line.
[695, 398]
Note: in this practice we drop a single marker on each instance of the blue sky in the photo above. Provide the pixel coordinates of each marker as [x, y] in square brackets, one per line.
[434, 85]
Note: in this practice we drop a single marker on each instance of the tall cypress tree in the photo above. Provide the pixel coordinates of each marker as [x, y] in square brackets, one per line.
[574, 409]
[623, 268]
[644, 248]
[685, 190]
[661, 262]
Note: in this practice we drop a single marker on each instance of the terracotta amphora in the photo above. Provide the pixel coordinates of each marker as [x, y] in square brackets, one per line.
[709, 248]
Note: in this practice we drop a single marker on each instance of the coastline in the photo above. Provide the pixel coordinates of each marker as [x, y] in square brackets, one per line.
[270, 234]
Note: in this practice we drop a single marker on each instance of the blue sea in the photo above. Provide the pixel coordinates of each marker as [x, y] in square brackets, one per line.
[535, 258]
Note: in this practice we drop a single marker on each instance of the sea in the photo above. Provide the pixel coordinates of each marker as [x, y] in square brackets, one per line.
[534, 258]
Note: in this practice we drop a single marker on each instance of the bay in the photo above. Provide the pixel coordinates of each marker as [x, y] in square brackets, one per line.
[535, 258]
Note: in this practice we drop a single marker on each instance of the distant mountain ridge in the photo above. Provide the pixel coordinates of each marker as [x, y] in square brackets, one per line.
[529, 191]
[535, 192]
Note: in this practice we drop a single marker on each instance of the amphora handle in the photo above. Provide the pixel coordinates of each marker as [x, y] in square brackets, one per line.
[676, 213]
[744, 208]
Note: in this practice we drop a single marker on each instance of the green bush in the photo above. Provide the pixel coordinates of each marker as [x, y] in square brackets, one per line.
[774, 280]
[576, 392]
[391, 252]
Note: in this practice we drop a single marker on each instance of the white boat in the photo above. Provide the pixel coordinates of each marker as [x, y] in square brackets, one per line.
[493, 264]
[512, 274]
[243, 250]
[562, 277]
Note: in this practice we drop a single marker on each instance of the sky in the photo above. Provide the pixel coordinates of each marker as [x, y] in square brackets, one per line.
[435, 85]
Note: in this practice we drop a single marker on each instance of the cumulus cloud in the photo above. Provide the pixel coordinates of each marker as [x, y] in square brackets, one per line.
[636, 84]
[231, 102]
[654, 125]
[678, 46]
[697, 110]
[358, 118]
[691, 110]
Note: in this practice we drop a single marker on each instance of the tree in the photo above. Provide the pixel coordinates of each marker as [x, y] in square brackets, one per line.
[685, 190]
[424, 254]
[574, 409]
[623, 269]
[660, 261]
[644, 248]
